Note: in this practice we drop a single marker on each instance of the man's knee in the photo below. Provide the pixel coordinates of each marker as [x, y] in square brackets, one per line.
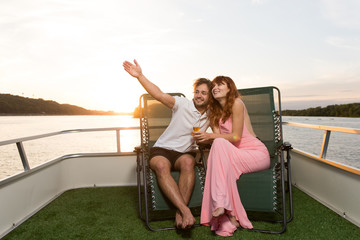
[160, 165]
[185, 163]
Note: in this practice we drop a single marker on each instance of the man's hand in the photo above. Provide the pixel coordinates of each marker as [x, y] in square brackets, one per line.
[133, 70]
[202, 137]
[151, 88]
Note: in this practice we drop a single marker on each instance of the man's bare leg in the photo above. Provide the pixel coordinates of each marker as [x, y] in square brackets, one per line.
[162, 167]
[185, 164]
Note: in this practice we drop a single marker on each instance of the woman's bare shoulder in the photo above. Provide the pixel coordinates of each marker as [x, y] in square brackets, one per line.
[238, 105]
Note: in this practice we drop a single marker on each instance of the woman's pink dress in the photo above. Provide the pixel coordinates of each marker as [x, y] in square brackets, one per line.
[226, 162]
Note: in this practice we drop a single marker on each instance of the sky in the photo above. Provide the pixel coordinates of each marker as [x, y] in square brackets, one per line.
[71, 51]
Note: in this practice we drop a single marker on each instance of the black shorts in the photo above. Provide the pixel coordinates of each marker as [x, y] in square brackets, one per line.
[171, 155]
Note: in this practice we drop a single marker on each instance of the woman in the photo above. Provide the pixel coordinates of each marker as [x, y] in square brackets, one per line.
[235, 150]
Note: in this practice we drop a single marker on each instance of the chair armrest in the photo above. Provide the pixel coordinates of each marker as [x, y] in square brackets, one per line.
[138, 149]
[286, 146]
[203, 146]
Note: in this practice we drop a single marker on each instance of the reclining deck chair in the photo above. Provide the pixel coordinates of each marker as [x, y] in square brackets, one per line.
[264, 191]
[154, 118]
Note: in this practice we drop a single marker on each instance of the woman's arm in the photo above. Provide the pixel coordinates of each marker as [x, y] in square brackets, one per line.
[238, 120]
[205, 137]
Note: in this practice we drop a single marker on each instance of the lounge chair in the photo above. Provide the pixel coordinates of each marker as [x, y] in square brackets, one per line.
[265, 191]
[154, 118]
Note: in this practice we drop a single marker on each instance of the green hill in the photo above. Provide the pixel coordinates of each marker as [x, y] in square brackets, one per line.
[342, 110]
[16, 105]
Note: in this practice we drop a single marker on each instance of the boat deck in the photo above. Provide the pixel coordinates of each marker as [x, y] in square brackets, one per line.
[111, 213]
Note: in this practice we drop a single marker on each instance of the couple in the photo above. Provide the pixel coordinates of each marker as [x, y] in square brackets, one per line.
[235, 150]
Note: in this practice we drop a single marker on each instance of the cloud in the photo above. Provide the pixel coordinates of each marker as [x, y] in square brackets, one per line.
[258, 2]
[343, 42]
[322, 92]
[327, 89]
[331, 83]
[304, 104]
[343, 13]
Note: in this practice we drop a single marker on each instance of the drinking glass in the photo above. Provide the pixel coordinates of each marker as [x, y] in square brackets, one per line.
[196, 128]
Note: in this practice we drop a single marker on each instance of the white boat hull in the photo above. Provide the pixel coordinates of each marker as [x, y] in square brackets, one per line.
[336, 188]
[23, 195]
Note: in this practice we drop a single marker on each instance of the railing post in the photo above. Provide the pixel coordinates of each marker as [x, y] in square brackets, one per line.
[118, 140]
[325, 144]
[23, 157]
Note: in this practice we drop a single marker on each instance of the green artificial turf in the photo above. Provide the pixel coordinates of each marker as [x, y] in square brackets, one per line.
[111, 213]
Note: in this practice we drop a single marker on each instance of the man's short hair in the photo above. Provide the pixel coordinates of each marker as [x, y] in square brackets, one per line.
[200, 81]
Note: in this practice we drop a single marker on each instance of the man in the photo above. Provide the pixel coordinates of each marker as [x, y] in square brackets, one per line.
[173, 149]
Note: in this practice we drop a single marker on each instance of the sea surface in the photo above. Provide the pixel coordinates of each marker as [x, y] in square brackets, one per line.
[343, 148]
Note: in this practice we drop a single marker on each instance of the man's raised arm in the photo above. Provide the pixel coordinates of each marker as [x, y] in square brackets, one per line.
[152, 89]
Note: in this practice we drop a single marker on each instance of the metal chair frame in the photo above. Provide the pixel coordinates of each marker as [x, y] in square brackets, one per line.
[283, 178]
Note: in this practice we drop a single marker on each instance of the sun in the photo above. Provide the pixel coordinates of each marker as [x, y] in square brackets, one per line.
[120, 103]
[122, 99]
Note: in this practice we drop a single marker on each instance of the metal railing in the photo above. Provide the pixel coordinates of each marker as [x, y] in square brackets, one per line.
[21, 149]
[325, 143]
[324, 148]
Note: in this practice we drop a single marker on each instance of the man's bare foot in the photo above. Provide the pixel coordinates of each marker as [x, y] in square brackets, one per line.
[234, 221]
[218, 212]
[188, 220]
[178, 220]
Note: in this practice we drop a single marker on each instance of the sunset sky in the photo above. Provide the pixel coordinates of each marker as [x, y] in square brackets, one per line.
[71, 51]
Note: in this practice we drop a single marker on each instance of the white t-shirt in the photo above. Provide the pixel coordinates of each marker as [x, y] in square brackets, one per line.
[177, 136]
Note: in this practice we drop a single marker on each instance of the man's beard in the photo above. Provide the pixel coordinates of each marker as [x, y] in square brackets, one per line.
[202, 105]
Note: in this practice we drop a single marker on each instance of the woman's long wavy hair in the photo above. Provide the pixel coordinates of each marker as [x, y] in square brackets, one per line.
[217, 112]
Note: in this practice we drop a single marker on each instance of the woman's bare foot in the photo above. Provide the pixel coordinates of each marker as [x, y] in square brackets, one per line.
[218, 212]
[234, 221]
[178, 220]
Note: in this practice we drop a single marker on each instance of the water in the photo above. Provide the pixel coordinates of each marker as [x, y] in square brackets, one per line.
[42, 150]
[343, 148]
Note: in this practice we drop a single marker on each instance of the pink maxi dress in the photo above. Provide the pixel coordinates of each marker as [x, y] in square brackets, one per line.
[226, 162]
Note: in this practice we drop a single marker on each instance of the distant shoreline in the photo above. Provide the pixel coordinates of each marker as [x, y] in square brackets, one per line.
[35, 114]
[11, 105]
[351, 110]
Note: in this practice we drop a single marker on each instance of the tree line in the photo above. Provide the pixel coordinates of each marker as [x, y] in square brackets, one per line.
[342, 110]
[17, 105]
